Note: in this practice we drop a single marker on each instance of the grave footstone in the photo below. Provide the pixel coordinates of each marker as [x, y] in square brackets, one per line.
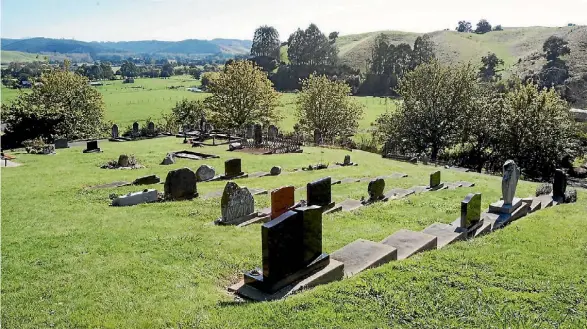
[205, 173]
[61, 143]
[291, 249]
[180, 184]
[114, 131]
[282, 199]
[92, 147]
[559, 186]
[237, 205]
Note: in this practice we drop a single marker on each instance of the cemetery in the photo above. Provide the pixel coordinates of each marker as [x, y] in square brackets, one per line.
[286, 234]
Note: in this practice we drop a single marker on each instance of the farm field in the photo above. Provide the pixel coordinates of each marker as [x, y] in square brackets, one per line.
[69, 260]
[148, 98]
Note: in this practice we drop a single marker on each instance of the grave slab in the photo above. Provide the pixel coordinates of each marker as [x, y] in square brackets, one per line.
[350, 205]
[398, 175]
[409, 242]
[501, 208]
[465, 183]
[334, 271]
[259, 174]
[397, 193]
[335, 181]
[132, 199]
[362, 254]
[534, 204]
[445, 233]
[545, 201]
[350, 180]
[111, 185]
[486, 227]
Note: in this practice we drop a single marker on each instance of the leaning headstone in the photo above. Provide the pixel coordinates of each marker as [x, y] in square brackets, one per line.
[232, 168]
[92, 147]
[282, 199]
[559, 186]
[272, 132]
[276, 170]
[135, 128]
[237, 205]
[180, 184]
[435, 180]
[114, 131]
[132, 199]
[147, 180]
[61, 143]
[205, 173]
[375, 190]
[471, 211]
[317, 137]
[151, 128]
[292, 250]
[169, 159]
[258, 134]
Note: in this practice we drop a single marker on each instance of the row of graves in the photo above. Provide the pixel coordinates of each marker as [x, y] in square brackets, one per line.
[292, 255]
[137, 133]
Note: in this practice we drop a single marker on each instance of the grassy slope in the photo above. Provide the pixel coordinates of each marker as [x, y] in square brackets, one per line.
[18, 56]
[71, 261]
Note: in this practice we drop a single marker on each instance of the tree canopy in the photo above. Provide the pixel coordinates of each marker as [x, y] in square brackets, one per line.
[489, 71]
[311, 47]
[483, 26]
[464, 26]
[266, 42]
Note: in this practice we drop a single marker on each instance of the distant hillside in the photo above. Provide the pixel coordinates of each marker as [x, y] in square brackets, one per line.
[511, 45]
[17, 56]
[128, 48]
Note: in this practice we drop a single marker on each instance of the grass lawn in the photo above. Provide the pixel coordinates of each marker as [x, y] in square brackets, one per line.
[69, 260]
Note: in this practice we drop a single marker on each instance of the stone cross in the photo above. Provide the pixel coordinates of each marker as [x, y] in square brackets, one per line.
[236, 204]
[559, 185]
[319, 193]
[291, 249]
[232, 168]
[180, 184]
[114, 131]
[282, 199]
[511, 174]
[470, 210]
[435, 179]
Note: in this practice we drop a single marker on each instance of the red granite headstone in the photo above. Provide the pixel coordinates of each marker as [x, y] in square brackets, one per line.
[282, 199]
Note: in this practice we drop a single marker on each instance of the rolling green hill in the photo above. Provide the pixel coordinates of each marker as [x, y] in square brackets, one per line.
[18, 56]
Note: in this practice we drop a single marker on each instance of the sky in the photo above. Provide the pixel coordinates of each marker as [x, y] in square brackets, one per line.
[126, 20]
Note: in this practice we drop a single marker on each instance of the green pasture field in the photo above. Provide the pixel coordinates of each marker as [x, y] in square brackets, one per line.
[69, 260]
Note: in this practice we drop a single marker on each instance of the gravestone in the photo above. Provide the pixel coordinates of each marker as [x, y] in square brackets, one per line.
[114, 131]
[180, 184]
[470, 211]
[276, 170]
[49, 149]
[425, 159]
[151, 128]
[250, 131]
[435, 179]
[319, 193]
[291, 249]
[91, 147]
[511, 174]
[202, 124]
[375, 190]
[135, 128]
[205, 173]
[61, 143]
[169, 159]
[132, 199]
[209, 127]
[147, 180]
[272, 132]
[237, 205]
[258, 134]
[559, 185]
[347, 160]
[317, 137]
[232, 168]
[123, 160]
[282, 199]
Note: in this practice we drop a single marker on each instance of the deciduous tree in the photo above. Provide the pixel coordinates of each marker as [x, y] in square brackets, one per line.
[490, 71]
[483, 26]
[266, 42]
[464, 26]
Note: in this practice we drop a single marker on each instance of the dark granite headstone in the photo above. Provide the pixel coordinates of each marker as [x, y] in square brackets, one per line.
[471, 210]
[151, 127]
[559, 186]
[347, 160]
[250, 131]
[272, 132]
[375, 189]
[61, 143]
[91, 147]
[114, 131]
[258, 134]
[232, 168]
[292, 249]
[147, 180]
[135, 128]
[180, 184]
[434, 179]
[319, 192]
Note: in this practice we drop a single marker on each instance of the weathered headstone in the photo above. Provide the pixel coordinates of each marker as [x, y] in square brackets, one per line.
[511, 174]
[319, 193]
[61, 143]
[272, 132]
[258, 134]
[435, 179]
[205, 173]
[471, 210]
[232, 168]
[425, 159]
[317, 137]
[114, 131]
[234, 146]
[559, 186]
[292, 250]
[347, 160]
[282, 199]
[49, 149]
[135, 128]
[276, 170]
[237, 205]
[123, 160]
[375, 189]
[151, 128]
[147, 180]
[180, 184]
[169, 159]
[92, 146]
